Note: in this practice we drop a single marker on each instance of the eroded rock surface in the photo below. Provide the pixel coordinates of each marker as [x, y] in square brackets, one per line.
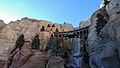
[55, 62]
[2, 24]
[103, 48]
[29, 27]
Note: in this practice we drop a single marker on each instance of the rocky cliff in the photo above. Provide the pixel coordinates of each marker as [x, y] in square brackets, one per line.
[85, 23]
[28, 27]
[104, 46]
[2, 24]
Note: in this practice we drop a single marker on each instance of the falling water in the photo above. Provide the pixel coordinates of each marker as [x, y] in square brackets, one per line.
[74, 57]
[76, 54]
[77, 45]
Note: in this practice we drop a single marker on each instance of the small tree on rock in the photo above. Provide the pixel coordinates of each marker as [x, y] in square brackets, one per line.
[20, 41]
[43, 28]
[48, 25]
[36, 42]
[53, 44]
[53, 25]
[56, 30]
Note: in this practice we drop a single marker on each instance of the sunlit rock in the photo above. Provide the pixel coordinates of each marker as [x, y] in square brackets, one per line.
[2, 24]
[29, 27]
[85, 23]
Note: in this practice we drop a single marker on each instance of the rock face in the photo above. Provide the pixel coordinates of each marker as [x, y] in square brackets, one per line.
[28, 58]
[36, 61]
[32, 58]
[113, 7]
[29, 27]
[21, 58]
[55, 62]
[2, 24]
[104, 48]
[85, 23]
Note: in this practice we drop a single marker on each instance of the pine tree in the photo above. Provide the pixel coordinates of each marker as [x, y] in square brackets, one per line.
[20, 41]
[53, 44]
[43, 28]
[36, 42]
[100, 23]
[48, 25]
[53, 25]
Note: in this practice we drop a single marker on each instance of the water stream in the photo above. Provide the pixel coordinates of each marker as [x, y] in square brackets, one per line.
[75, 58]
[76, 54]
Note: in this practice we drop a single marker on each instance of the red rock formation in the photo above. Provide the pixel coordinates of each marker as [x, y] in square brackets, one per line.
[29, 27]
[2, 24]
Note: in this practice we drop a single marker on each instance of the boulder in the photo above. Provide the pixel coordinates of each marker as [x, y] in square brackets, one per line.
[38, 60]
[55, 62]
[21, 58]
[110, 56]
[28, 58]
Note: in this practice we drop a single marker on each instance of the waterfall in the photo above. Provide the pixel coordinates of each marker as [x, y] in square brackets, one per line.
[76, 55]
[75, 58]
[77, 45]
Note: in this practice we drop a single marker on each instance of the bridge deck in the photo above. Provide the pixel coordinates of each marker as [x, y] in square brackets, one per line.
[75, 33]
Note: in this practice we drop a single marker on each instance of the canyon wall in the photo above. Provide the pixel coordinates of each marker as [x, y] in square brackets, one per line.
[29, 27]
[104, 47]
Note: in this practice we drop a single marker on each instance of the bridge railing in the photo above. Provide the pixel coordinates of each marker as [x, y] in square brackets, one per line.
[79, 33]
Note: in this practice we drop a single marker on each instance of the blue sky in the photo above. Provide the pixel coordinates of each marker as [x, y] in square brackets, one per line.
[59, 11]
